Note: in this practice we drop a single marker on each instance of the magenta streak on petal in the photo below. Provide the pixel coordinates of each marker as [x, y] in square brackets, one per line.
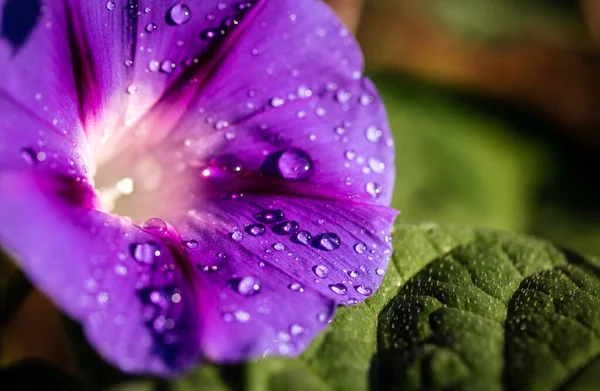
[176, 100]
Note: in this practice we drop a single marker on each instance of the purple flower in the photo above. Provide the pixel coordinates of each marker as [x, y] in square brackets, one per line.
[242, 133]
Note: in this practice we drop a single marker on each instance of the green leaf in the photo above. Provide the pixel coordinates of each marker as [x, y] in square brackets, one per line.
[460, 309]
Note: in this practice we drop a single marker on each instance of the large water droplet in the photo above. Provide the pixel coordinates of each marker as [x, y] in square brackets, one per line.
[237, 236]
[360, 248]
[248, 286]
[373, 134]
[296, 287]
[156, 225]
[151, 27]
[270, 216]
[191, 244]
[256, 229]
[376, 165]
[111, 5]
[296, 329]
[277, 102]
[329, 241]
[373, 189]
[179, 14]
[302, 237]
[340, 289]
[279, 246]
[286, 228]
[321, 271]
[363, 290]
[167, 66]
[295, 164]
[146, 252]
[380, 272]
[241, 316]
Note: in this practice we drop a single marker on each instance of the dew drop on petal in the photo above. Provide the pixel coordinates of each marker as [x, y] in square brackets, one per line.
[156, 225]
[277, 102]
[350, 154]
[179, 14]
[256, 229]
[296, 329]
[146, 252]
[29, 156]
[237, 236]
[339, 289]
[363, 290]
[373, 189]
[321, 271]
[329, 241]
[279, 246]
[270, 216]
[380, 272]
[373, 134]
[153, 66]
[376, 165]
[151, 27]
[241, 316]
[111, 5]
[353, 273]
[191, 244]
[286, 228]
[167, 66]
[296, 287]
[302, 237]
[248, 286]
[295, 164]
[360, 248]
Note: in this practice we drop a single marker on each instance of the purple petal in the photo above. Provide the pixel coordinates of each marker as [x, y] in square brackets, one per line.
[288, 98]
[282, 282]
[130, 301]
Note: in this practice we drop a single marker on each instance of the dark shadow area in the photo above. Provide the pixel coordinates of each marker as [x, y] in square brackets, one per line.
[19, 18]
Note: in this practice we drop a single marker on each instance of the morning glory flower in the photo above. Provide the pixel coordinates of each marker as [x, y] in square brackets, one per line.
[192, 181]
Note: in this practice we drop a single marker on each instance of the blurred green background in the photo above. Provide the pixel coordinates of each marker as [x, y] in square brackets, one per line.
[495, 107]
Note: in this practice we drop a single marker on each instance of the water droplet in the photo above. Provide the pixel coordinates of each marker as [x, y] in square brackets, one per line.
[154, 66]
[167, 66]
[296, 329]
[329, 241]
[286, 228]
[237, 236]
[350, 154]
[146, 252]
[221, 255]
[373, 189]
[191, 244]
[373, 134]
[128, 63]
[366, 100]
[151, 27]
[241, 316]
[104, 297]
[279, 246]
[270, 216]
[179, 14]
[363, 290]
[111, 5]
[343, 96]
[323, 318]
[340, 289]
[295, 164]
[353, 273]
[380, 272]
[296, 287]
[302, 237]
[248, 286]
[156, 225]
[360, 248]
[120, 269]
[41, 156]
[29, 156]
[376, 165]
[131, 89]
[256, 229]
[208, 34]
[277, 102]
[321, 271]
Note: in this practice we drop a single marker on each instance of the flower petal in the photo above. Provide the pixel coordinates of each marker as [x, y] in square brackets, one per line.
[271, 268]
[120, 282]
[292, 82]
